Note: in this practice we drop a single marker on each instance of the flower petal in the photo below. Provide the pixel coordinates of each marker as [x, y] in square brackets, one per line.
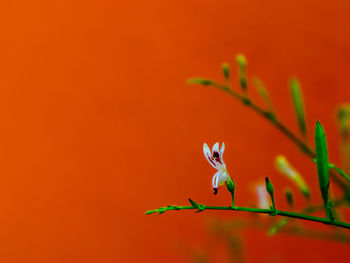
[208, 155]
[215, 180]
[222, 177]
[215, 148]
[222, 150]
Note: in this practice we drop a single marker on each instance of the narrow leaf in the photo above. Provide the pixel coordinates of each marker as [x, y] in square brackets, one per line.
[193, 203]
[298, 104]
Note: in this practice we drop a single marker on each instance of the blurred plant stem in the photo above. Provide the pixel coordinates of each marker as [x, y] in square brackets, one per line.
[298, 230]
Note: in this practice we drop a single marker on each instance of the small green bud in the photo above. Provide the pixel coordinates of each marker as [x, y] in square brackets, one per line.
[269, 186]
[243, 82]
[200, 81]
[269, 189]
[226, 70]
[241, 60]
[289, 197]
[230, 184]
[242, 63]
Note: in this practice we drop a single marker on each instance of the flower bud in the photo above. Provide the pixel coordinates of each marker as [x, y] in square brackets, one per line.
[226, 70]
[269, 186]
[242, 63]
[289, 197]
[230, 184]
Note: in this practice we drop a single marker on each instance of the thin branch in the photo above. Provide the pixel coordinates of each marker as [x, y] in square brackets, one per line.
[308, 210]
[271, 212]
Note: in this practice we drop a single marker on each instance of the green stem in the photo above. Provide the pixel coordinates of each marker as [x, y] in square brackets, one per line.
[273, 202]
[271, 212]
[304, 147]
[233, 201]
[337, 169]
[309, 210]
[340, 171]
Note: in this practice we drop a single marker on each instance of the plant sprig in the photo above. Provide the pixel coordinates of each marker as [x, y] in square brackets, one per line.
[320, 156]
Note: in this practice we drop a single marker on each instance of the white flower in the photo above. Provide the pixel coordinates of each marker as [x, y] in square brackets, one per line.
[214, 157]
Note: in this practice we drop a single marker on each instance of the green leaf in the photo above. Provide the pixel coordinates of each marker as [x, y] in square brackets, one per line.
[298, 104]
[322, 164]
[200, 207]
[193, 203]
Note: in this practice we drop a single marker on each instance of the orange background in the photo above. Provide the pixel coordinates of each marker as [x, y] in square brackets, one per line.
[98, 124]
